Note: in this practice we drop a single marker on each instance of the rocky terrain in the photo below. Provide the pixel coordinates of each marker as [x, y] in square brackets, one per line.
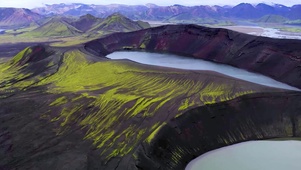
[72, 108]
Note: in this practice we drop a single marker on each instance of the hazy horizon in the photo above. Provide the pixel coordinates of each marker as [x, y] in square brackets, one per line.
[39, 3]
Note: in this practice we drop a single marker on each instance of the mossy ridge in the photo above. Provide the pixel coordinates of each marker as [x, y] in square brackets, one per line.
[121, 91]
[28, 67]
[21, 55]
[133, 93]
[10, 71]
[59, 101]
[155, 129]
[118, 23]
[53, 28]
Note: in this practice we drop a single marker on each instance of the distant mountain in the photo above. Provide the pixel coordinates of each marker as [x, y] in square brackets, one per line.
[54, 27]
[161, 13]
[119, 23]
[10, 17]
[176, 13]
[65, 18]
[59, 26]
[86, 22]
[155, 12]
[189, 18]
[80, 10]
[264, 9]
[56, 9]
[295, 12]
[244, 11]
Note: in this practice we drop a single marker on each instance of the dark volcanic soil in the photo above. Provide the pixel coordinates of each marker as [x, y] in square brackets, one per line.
[250, 117]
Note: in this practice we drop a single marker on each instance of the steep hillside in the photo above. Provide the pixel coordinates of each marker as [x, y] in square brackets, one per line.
[119, 23]
[10, 17]
[54, 27]
[206, 128]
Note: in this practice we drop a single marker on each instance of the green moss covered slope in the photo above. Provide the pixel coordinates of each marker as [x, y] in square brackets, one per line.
[110, 106]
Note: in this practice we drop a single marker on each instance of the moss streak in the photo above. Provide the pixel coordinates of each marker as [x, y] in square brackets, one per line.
[122, 92]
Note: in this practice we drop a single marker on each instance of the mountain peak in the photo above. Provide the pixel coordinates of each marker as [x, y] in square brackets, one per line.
[86, 22]
[58, 19]
[244, 5]
[116, 14]
[88, 16]
[116, 17]
[118, 22]
[263, 5]
[56, 27]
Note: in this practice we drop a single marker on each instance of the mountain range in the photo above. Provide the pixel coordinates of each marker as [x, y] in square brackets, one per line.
[222, 15]
[155, 12]
[61, 26]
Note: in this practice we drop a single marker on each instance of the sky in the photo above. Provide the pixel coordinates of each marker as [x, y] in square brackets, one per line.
[39, 3]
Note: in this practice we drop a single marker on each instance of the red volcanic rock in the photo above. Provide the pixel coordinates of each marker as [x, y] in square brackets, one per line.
[276, 58]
